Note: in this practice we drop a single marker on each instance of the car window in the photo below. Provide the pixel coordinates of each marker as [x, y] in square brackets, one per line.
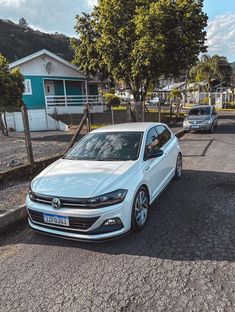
[107, 146]
[152, 140]
[200, 111]
[164, 135]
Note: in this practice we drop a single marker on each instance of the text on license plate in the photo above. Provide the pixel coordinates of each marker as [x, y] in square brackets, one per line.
[54, 219]
[195, 127]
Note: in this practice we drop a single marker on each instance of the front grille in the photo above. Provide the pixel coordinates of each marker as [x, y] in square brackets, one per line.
[74, 222]
[79, 203]
[196, 122]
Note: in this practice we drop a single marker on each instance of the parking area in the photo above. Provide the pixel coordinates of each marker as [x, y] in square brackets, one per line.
[184, 260]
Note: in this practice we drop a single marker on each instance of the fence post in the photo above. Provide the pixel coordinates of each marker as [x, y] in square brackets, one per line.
[28, 142]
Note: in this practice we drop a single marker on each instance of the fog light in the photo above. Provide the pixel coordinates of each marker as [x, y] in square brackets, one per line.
[113, 221]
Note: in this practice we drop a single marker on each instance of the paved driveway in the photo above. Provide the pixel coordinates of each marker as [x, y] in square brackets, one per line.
[182, 261]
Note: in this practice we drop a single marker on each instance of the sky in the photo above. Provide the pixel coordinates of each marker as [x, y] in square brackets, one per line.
[59, 16]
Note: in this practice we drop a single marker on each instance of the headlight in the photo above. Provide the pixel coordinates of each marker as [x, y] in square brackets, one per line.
[31, 194]
[108, 199]
[208, 120]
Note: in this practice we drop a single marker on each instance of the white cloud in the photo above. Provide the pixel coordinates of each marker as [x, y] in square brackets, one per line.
[221, 36]
[11, 3]
[92, 3]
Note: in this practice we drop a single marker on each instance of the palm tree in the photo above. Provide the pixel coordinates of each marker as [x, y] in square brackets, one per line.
[211, 68]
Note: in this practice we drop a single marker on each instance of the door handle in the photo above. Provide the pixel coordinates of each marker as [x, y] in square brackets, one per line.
[147, 168]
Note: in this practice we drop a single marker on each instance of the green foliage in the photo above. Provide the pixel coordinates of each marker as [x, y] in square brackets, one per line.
[210, 68]
[230, 105]
[11, 86]
[111, 100]
[139, 40]
[17, 42]
[175, 95]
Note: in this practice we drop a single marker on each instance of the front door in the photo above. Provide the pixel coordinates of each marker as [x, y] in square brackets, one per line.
[49, 88]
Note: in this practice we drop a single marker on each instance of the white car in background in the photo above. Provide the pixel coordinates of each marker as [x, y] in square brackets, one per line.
[103, 187]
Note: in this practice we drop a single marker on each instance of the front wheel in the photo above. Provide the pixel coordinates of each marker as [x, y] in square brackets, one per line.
[140, 209]
[179, 167]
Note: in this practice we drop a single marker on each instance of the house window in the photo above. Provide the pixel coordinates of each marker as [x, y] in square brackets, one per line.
[27, 87]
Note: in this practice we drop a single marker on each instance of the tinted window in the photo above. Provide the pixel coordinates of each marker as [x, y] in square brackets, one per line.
[200, 111]
[164, 135]
[107, 146]
[152, 140]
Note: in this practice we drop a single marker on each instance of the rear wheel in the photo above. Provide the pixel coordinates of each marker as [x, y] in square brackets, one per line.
[140, 209]
[179, 167]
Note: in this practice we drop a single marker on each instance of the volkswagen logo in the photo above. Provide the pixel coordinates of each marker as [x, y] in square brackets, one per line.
[56, 203]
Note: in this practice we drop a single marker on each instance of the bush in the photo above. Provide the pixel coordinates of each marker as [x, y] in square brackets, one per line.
[111, 100]
[230, 105]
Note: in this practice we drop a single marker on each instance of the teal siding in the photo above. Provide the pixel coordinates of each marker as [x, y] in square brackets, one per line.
[37, 99]
[73, 88]
[59, 87]
[92, 89]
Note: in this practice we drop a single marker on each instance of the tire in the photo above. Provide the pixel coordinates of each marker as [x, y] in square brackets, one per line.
[140, 211]
[178, 167]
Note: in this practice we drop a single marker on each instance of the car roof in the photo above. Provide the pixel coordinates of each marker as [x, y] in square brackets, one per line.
[128, 127]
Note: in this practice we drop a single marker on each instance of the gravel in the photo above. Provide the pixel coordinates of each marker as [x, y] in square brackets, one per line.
[13, 151]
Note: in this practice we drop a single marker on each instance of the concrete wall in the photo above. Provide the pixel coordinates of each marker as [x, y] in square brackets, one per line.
[39, 120]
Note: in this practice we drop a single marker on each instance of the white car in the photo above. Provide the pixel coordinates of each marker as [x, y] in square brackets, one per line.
[103, 187]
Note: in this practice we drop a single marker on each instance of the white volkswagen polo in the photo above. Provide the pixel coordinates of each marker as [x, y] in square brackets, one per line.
[103, 187]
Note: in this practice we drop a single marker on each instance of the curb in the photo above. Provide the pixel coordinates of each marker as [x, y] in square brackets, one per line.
[13, 216]
[180, 133]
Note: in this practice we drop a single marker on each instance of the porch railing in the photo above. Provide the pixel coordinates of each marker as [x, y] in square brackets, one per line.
[53, 101]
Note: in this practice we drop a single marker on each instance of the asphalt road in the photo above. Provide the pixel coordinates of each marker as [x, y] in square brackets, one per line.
[182, 261]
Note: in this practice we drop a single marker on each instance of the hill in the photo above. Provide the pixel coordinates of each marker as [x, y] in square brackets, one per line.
[17, 41]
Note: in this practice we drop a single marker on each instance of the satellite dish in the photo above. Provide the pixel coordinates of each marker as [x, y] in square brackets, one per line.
[48, 67]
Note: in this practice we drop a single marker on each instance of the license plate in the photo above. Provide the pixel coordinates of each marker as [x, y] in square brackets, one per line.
[195, 127]
[54, 219]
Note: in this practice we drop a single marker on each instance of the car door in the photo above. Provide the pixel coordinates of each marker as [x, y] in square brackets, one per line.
[154, 169]
[168, 145]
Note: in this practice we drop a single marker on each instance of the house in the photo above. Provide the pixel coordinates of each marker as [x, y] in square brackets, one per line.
[53, 86]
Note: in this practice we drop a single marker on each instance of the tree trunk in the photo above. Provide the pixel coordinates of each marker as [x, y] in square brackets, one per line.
[159, 111]
[5, 122]
[210, 91]
[2, 126]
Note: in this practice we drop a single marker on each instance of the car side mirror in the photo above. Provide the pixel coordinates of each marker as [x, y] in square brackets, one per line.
[155, 153]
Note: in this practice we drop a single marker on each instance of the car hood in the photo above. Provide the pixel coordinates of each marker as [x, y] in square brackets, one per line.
[78, 178]
[197, 118]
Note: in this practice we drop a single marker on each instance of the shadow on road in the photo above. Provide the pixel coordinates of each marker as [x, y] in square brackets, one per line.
[194, 219]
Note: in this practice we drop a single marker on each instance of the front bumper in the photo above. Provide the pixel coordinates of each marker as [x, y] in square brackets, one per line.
[197, 127]
[85, 224]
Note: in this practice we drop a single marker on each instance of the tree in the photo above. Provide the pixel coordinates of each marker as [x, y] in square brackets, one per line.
[175, 96]
[210, 68]
[11, 90]
[139, 40]
[22, 23]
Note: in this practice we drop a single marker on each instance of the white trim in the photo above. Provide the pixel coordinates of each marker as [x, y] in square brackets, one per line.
[41, 52]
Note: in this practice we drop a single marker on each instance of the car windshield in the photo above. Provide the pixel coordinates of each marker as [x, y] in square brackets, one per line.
[107, 146]
[200, 111]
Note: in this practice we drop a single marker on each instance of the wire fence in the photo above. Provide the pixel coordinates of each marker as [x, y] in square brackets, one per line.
[23, 145]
